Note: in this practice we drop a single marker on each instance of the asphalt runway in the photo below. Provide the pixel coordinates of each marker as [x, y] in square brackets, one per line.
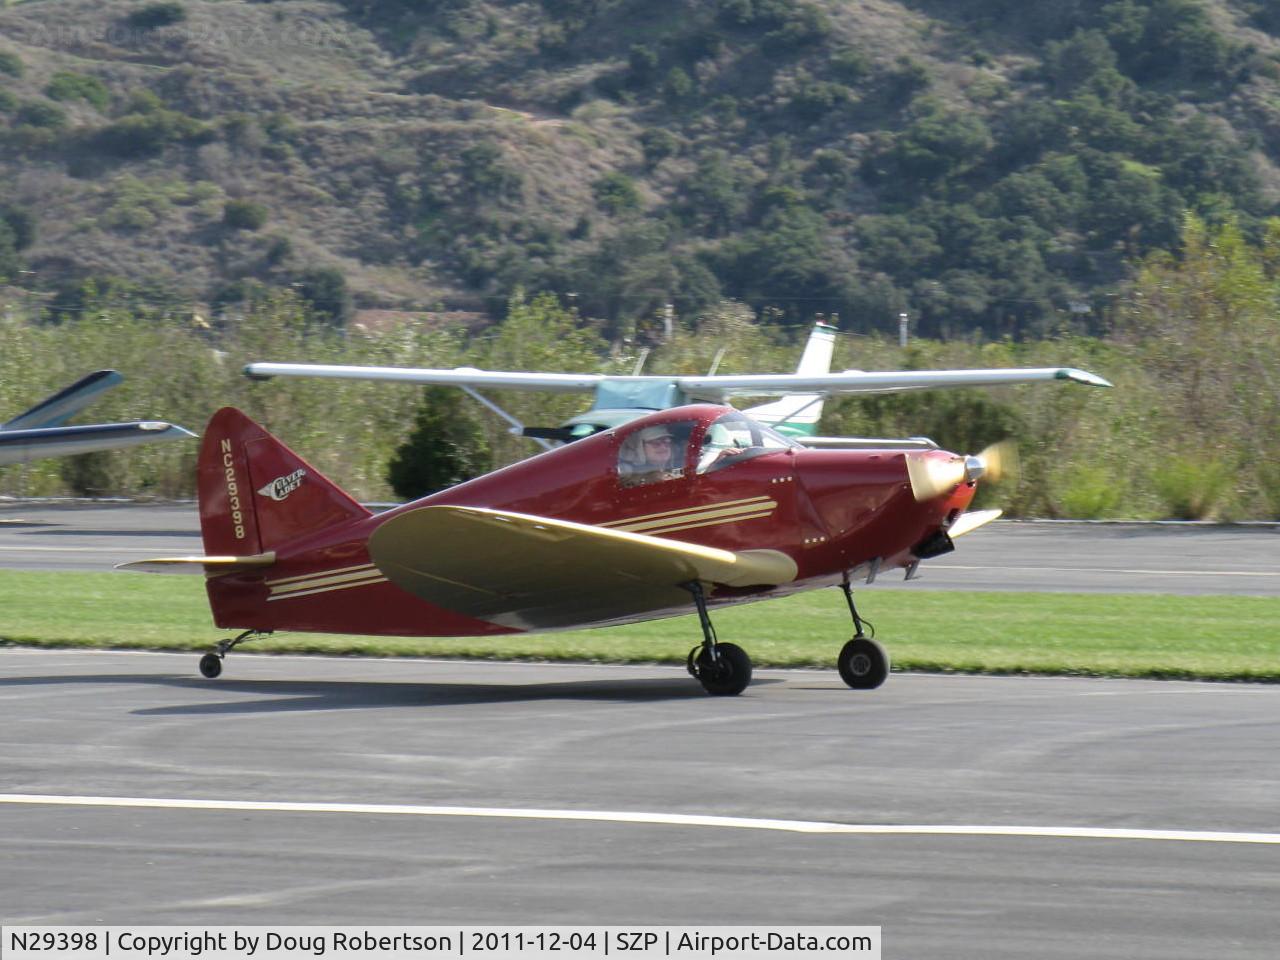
[438, 792]
[972, 817]
[1077, 557]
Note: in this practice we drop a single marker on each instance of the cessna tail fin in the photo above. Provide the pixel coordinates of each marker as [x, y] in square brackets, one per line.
[798, 414]
[256, 493]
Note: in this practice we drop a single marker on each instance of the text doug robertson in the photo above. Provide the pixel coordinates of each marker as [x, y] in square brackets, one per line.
[246, 944]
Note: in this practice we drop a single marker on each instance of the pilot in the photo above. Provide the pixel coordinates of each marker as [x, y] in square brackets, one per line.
[647, 456]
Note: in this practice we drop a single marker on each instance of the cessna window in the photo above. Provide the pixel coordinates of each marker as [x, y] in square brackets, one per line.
[654, 454]
[735, 438]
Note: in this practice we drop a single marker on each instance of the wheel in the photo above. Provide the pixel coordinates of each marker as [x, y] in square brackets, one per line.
[211, 665]
[729, 675]
[863, 663]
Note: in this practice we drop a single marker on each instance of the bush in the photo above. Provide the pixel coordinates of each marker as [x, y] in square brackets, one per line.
[45, 116]
[244, 215]
[10, 64]
[1194, 487]
[658, 144]
[156, 15]
[21, 224]
[616, 193]
[325, 289]
[1090, 493]
[77, 86]
[145, 134]
[447, 446]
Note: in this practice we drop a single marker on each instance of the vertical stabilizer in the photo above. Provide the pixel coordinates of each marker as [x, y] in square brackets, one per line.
[256, 494]
[799, 414]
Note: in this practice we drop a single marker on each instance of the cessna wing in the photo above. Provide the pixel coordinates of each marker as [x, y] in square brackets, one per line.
[620, 399]
[713, 389]
[719, 389]
[535, 573]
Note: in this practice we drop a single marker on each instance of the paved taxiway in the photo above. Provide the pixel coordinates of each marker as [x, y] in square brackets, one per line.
[1128, 558]
[554, 742]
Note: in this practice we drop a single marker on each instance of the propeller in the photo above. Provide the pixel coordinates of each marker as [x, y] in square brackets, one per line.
[932, 476]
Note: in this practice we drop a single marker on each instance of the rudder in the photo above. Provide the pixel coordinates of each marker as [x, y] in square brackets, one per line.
[256, 494]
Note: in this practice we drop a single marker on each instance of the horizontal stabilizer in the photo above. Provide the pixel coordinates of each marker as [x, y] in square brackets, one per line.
[21, 446]
[211, 566]
[536, 573]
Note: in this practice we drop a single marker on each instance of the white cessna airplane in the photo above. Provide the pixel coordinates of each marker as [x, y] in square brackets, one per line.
[41, 431]
[620, 399]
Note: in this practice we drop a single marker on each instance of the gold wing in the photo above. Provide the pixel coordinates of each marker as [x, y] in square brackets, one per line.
[535, 573]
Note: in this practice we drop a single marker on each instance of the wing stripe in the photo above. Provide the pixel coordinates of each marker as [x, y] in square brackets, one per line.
[320, 574]
[682, 513]
[307, 590]
[711, 523]
[703, 518]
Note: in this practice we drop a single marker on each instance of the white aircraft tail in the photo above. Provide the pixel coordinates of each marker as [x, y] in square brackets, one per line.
[799, 414]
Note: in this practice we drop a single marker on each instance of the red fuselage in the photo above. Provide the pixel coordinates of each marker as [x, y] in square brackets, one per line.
[833, 512]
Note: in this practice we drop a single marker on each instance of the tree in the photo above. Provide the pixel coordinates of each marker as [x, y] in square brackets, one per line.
[1205, 323]
[446, 447]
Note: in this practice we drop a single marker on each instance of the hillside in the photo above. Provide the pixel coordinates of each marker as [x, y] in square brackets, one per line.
[983, 164]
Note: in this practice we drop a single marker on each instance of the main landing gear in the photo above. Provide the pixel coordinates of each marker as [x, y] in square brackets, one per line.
[723, 669]
[211, 663]
[863, 663]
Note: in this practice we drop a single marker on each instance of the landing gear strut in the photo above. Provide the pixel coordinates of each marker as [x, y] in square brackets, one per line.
[863, 663]
[211, 663]
[723, 669]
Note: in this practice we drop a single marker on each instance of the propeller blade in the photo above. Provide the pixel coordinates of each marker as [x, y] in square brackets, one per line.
[1001, 461]
[931, 476]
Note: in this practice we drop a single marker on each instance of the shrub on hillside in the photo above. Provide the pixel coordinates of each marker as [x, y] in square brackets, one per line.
[244, 215]
[77, 86]
[43, 116]
[146, 134]
[616, 193]
[156, 15]
[325, 289]
[10, 64]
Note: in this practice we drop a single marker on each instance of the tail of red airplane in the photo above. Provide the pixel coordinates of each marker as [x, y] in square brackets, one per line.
[256, 494]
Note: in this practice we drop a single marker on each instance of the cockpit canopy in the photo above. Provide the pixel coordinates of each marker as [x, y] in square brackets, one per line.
[735, 438]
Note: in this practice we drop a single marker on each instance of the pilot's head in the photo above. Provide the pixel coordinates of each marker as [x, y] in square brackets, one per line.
[656, 445]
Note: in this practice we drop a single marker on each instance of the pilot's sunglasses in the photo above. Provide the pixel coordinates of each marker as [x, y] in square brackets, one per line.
[666, 440]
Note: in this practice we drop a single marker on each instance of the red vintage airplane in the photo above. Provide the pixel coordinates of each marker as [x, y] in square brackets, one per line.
[688, 508]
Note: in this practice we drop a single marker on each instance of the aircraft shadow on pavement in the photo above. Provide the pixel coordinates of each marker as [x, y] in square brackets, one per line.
[278, 696]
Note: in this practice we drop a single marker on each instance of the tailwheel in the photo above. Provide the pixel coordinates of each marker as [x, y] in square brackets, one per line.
[725, 670]
[211, 663]
[863, 663]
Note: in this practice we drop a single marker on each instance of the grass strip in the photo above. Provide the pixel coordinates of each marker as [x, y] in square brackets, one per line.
[1123, 635]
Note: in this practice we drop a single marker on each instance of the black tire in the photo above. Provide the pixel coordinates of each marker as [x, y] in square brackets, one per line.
[729, 675]
[863, 663]
[211, 665]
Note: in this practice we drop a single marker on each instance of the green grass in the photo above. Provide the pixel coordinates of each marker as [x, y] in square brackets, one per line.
[1225, 638]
